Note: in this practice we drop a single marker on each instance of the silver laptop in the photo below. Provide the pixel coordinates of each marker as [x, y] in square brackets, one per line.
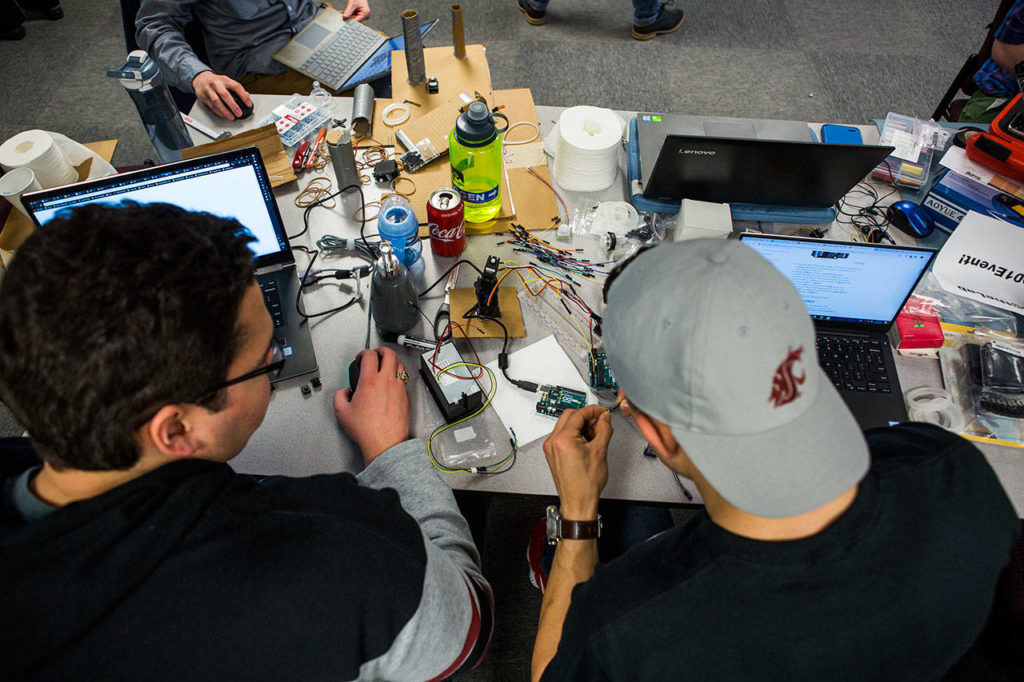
[231, 184]
[853, 291]
[331, 49]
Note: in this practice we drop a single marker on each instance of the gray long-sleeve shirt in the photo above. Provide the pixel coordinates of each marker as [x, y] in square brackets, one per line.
[241, 36]
[455, 602]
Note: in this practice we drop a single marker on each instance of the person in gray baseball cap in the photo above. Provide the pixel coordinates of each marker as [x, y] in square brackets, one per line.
[821, 553]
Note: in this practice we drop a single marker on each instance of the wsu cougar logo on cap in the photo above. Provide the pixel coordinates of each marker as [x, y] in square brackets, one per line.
[785, 383]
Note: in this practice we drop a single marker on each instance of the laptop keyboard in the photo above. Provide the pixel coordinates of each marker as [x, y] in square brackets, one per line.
[335, 61]
[272, 299]
[853, 364]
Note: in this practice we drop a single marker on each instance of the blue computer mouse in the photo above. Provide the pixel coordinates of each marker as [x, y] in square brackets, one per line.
[910, 218]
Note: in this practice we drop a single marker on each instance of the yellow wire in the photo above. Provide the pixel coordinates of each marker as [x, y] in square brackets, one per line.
[439, 431]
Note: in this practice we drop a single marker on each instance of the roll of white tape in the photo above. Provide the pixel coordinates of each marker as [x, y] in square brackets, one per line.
[934, 406]
[587, 156]
[37, 150]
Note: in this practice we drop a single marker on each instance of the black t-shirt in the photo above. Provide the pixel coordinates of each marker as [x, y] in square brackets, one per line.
[897, 588]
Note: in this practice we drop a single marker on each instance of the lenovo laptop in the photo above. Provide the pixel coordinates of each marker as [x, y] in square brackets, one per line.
[853, 291]
[231, 184]
[652, 129]
[757, 171]
[341, 53]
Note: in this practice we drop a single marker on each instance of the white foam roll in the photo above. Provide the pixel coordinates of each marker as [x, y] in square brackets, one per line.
[587, 155]
[37, 150]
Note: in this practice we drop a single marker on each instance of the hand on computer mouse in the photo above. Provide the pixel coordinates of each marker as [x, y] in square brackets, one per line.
[375, 414]
[222, 95]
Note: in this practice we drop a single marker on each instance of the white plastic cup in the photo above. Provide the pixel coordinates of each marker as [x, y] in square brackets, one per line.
[16, 182]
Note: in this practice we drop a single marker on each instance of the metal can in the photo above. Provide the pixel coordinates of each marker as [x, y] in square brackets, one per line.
[446, 220]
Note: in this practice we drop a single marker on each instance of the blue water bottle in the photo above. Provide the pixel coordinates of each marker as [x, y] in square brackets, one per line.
[397, 224]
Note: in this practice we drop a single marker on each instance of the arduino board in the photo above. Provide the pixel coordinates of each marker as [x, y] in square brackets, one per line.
[601, 378]
[554, 400]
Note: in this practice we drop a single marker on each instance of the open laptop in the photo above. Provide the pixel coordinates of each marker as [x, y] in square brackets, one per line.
[853, 291]
[231, 184]
[341, 53]
[757, 171]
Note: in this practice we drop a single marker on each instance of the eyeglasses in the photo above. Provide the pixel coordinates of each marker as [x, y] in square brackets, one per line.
[272, 369]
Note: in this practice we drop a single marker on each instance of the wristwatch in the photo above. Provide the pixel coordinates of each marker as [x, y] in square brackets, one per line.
[563, 529]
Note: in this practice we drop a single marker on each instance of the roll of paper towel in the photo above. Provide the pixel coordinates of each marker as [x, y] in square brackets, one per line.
[586, 148]
[51, 156]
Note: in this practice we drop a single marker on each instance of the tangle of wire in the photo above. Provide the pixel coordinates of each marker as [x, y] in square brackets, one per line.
[498, 467]
[870, 221]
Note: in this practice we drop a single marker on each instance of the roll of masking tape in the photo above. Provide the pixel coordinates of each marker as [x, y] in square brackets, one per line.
[38, 151]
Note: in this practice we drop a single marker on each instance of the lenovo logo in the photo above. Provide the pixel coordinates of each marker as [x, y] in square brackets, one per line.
[700, 152]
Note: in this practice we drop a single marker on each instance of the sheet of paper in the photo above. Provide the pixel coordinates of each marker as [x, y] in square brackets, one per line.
[955, 159]
[542, 362]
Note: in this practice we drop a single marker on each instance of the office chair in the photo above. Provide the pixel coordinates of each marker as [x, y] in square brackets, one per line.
[193, 36]
[949, 107]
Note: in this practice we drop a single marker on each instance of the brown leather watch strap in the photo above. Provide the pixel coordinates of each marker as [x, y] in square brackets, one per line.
[580, 530]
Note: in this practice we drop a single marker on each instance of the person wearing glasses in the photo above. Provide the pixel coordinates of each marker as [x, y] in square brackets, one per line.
[136, 349]
[821, 553]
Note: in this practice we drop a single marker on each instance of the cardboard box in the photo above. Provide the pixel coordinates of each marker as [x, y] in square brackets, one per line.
[953, 195]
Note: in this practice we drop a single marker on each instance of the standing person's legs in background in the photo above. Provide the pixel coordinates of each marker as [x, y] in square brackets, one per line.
[12, 16]
[653, 18]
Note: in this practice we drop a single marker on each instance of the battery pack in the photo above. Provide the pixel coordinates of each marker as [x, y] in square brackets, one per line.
[456, 392]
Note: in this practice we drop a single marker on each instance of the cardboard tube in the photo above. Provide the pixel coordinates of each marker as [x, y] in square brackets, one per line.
[413, 47]
[458, 33]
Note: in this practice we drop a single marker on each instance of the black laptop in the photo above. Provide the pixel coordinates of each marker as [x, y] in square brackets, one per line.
[853, 291]
[232, 184]
[774, 172]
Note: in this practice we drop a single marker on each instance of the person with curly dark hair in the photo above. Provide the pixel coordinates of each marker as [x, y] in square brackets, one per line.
[135, 347]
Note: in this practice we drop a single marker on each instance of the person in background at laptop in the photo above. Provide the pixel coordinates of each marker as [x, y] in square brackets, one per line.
[241, 37]
[136, 350]
[822, 553]
[650, 17]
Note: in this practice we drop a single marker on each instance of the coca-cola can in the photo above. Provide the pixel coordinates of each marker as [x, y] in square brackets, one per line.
[447, 223]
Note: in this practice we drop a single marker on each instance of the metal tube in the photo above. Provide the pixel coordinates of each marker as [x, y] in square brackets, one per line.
[343, 159]
[413, 47]
[362, 110]
[458, 33]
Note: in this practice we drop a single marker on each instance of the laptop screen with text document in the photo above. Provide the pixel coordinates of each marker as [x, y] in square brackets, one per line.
[846, 282]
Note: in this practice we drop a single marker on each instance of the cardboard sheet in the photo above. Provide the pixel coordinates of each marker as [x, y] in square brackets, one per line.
[19, 226]
[542, 362]
[511, 315]
[453, 75]
[279, 166]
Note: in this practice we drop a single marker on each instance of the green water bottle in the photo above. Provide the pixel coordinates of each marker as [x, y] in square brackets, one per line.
[474, 150]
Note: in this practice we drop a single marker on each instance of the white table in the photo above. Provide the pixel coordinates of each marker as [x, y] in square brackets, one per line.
[301, 437]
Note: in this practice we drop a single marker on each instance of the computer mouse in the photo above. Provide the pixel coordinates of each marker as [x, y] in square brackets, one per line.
[353, 370]
[246, 109]
[910, 218]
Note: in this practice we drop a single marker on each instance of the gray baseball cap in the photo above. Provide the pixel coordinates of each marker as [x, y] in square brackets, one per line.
[708, 337]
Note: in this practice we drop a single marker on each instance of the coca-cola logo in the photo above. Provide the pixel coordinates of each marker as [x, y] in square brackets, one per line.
[450, 234]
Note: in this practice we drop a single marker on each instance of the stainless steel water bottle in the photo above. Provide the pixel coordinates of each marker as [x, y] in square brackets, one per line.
[141, 77]
[392, 298]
